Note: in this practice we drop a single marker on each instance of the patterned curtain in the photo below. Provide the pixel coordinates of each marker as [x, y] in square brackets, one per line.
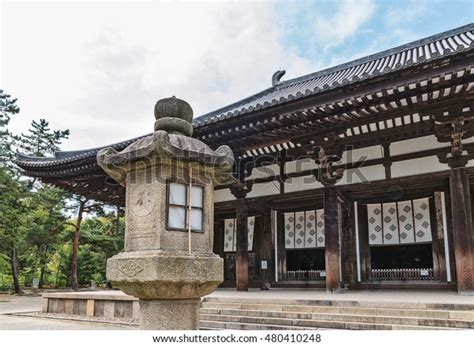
[405, 222]
[304, 229]
[230, 243]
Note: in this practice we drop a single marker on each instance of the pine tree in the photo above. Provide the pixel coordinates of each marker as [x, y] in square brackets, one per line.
[41, 140]
[8, 107]
[12, 220]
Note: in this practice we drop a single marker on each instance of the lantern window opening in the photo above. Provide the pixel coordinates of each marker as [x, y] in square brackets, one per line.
[179, 205]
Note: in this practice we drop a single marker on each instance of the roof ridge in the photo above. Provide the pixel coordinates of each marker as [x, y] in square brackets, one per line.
[236, 103]
[375, 56]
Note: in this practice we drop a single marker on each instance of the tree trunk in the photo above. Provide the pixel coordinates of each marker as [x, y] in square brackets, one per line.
[14, 264]
[117, 229]
[42, 263]
[117, 223]
[41, 279]
[75, 247]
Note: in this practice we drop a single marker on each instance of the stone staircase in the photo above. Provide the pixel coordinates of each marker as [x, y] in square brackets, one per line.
[266, 314]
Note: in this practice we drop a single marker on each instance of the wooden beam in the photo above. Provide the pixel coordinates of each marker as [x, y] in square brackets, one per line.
[348, 166]
[335, 119]
[415, 186]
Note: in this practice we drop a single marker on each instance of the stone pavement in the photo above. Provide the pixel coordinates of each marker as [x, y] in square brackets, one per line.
[16, 304]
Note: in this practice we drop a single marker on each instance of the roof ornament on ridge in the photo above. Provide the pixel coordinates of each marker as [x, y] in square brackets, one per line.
[277, 76]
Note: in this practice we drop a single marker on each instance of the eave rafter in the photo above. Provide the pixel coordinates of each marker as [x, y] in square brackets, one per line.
[343, 115]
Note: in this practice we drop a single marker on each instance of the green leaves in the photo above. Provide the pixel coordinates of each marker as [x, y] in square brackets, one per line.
[8, 108]
[41, 140]
[34, 217]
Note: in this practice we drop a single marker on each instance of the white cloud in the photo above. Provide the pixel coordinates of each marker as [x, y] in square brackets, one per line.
[350, 15]
[411, 11]
[98, 69]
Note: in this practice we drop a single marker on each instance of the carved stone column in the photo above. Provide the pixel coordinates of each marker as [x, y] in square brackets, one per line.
[454, 130]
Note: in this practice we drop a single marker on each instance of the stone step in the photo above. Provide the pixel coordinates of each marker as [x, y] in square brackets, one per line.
[213, 325]
[346, 303]
[441, 314]
[231, 321]
[413, 321]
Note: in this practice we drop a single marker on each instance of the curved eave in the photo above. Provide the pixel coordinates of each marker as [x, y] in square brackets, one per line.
[424, 51]
[61, 158]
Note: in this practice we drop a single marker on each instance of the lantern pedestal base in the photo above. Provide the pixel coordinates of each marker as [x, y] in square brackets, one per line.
[169, 314]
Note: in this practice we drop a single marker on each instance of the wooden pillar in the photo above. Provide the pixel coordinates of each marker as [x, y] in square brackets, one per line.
[438, 237]
[281, 250]
[242, 254]
[332, 248]
[434, 241]
[455, 129]
[218, 237]
[266, 251]
[463, 232]
[387, 162]
[325, 156]
[364, 248]
[348, 250]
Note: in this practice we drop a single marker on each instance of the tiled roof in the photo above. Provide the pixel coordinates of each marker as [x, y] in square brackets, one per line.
[428, 49]
[62, 157]
[410, 54]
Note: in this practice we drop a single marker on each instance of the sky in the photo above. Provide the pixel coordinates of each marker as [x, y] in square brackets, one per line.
[97, 68]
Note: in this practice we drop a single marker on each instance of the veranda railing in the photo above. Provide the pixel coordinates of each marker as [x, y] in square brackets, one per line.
[305, 275]
[402, 274]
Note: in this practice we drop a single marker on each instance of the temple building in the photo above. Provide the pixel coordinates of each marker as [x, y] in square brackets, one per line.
[357, 176]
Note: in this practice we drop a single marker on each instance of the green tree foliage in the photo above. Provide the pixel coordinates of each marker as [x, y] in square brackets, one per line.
[38, 238]
[8, 108]
[13, 208]
[41, 140]
[45, 220]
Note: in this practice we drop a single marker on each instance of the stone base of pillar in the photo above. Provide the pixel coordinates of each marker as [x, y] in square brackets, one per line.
[169, 314]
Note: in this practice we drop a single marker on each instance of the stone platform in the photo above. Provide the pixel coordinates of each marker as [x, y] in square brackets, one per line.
[109, 305]
[286, 309]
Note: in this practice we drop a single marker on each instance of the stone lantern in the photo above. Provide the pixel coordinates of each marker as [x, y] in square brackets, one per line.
[169, 178]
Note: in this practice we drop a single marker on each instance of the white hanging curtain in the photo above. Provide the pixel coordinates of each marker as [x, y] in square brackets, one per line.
[405, 222]
[230, 243]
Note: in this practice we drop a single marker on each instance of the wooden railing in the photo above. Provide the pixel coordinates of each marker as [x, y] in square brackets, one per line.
[402, 274]
[305, 275]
